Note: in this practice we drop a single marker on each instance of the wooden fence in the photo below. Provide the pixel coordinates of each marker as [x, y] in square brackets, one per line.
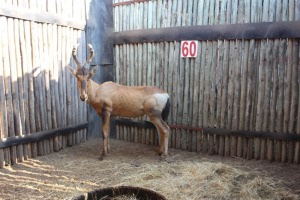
[242, 84]
[37, 93]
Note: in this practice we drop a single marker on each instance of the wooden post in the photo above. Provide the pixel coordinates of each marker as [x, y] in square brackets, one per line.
[98, 31]
[3, 116]
[18, 88]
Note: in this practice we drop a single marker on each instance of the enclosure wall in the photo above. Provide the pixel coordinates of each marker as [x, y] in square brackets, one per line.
[37, 92]
[244, 84]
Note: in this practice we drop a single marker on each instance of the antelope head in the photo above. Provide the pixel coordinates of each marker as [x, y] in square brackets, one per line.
[82, 73]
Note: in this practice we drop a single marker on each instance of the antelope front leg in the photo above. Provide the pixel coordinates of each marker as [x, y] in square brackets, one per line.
[105, 133]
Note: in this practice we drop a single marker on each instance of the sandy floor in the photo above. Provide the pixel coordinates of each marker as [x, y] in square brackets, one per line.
[77, 170]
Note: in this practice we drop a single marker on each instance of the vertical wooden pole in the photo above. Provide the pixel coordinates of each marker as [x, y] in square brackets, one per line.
[25, 74]
[3, 109]
[18, 87]
[7, 45]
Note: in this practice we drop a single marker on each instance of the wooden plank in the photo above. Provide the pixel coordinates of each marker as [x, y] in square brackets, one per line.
[230, 58]
[121, 129]
[266, 103]
[69, 89]
[171, 59]
[18, 90]
[6, 152]
[206, 93]
[194, 83]
[8, 61]
[243, 55]
[140, 79]
[180, 99]
[25, 74]
[271, 149]
[237, 97]
[131, 77]
[212, 98]
[169, 12]
[251, 93]
[200, 12]
[3, 116]
[60, 86]
[40, 16]
[149, 70]
[117, 77]
[64, 75]
[137, 136]
[287, 98]
[260, 97]
[294, 98]
[73, 89]
[116, 17]
[46, 49]
[39, 89]
[31, 103]
[186, 99]
[224, 151]
[217, 131]
[217, 80]
[223, 90]
[247, 18]
[233, 87]
[76, 109]
[41, 135]
[154, 77]
[279, 119]
[219, 71]
[241, 150]
[267, 97]
[54, 84]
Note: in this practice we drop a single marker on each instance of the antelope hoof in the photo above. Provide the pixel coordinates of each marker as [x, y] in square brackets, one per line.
[102, 157]
[165, 158]
[162, 154]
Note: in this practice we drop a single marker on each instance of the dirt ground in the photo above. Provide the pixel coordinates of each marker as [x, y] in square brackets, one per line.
[76, 170]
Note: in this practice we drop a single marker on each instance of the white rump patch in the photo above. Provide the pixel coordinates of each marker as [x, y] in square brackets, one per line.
[161, 100]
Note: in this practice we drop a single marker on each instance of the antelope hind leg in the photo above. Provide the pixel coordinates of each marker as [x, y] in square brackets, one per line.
[163, 130]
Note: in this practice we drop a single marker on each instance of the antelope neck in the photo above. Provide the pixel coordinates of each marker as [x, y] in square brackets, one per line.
[90, 86]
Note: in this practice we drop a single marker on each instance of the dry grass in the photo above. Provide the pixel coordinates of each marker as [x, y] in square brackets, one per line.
[76, 170]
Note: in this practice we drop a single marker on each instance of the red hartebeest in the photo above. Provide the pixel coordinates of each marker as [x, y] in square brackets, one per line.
[112, 99]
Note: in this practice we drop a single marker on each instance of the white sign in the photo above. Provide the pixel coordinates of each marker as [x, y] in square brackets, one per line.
[189, 48]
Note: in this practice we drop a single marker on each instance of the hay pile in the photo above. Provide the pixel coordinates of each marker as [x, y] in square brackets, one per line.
[200, 180]
[74, 171]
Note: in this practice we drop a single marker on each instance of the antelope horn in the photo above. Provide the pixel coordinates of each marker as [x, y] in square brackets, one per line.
[75, 56]
[91, 55]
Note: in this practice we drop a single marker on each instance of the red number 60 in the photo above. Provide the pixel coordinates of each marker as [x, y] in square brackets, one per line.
[189, 48]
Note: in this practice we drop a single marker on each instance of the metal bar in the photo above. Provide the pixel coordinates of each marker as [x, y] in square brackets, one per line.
[271, 30]
[37, 136]
[216, 131]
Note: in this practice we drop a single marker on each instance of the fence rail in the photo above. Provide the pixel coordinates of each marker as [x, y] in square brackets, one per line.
[237, 84]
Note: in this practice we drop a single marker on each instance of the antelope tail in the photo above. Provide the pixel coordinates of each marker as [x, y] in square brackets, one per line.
[166, 111]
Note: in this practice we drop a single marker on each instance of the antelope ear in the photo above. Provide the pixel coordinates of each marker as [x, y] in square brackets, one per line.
[73, 71]
[93, 71]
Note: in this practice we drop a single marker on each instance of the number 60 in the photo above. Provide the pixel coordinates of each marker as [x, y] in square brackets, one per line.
[189, 48]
